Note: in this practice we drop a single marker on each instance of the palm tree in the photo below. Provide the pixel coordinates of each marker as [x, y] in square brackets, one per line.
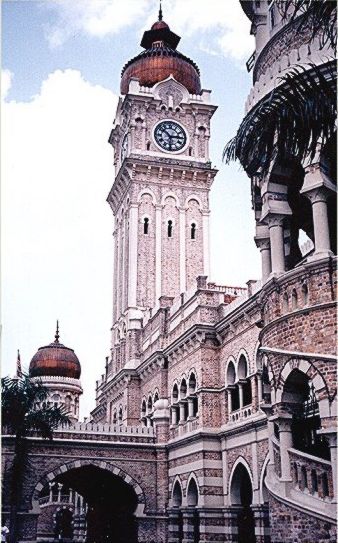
[301, 110]
[25, 411]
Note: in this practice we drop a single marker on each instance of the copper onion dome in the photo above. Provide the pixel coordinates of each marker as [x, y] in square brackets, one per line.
[55, 360]
[160, 59]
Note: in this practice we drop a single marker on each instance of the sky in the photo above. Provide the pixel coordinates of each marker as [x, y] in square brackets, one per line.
[61, 66]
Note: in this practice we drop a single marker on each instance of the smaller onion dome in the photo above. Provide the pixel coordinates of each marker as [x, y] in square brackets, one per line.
[160, 59]
[55, 360]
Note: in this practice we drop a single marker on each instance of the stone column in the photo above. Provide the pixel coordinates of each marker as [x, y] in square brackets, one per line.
[190, 408]
[182, 251]
[229, 402]
[174, 416]
[50, 492]
[188, 525]
[174, 525]
[264, 246]
[206, 243]
[59, 491]
[285, 441]
[182, 411]
[331, 436]
[254, 393]
[132, 271]
[262, 522]
[317, 187]
[318, 198]
[240, 390]
[275, 223]
[158, 249]
[259, 388]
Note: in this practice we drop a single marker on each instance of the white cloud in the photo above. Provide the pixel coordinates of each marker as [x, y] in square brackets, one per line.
[221, 21]
[57, 170]
[6, 82]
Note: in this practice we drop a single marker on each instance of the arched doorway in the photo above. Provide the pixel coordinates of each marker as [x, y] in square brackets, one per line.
[192, 501]
[299, 393]
[110, 515]
[64, 525]
[241, 496]
[177, 503]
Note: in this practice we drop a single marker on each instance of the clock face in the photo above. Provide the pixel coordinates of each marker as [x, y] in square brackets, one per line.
[124, 147]
[170, 136]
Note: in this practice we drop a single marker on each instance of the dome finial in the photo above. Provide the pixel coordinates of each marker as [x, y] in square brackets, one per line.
[57, 335]
[160, 14]
[18, 366]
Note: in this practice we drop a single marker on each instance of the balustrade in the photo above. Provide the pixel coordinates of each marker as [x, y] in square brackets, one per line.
[311, 475]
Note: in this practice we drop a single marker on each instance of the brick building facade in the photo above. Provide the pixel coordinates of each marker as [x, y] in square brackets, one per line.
[214, 419]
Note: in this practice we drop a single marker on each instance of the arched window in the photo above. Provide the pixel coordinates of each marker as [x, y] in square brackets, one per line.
[192, 493]
[231, 374]
[175, 393]
[56, 399]
[145, 225]
[241, 494]
[193, 231]
[170, 229]
[150, 404]
[305, 294]
[68, 401]
[192, 383]
[190, 151]
[156, 398]
[183, 389]
[294, 299]
[120, 415]
[303, 478]
[115, 417]
[177, 495]
[285, 303]
[314, 481]
[148, 145]
[242, 367]
[325, 484]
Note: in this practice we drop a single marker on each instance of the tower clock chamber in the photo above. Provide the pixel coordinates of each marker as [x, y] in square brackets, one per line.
[160, 196]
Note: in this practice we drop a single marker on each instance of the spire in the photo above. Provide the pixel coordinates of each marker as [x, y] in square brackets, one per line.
[160, 14]
[18, 366]
[57, 335]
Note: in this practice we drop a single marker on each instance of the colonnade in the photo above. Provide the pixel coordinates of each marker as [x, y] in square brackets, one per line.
[269, 238]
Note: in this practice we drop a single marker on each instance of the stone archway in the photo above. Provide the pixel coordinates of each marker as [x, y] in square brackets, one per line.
[113, 500]
[241, 495]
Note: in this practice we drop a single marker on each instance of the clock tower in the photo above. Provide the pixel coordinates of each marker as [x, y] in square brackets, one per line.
[160, 196]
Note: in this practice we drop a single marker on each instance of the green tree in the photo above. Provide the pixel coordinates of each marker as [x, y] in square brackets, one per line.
[25, 411]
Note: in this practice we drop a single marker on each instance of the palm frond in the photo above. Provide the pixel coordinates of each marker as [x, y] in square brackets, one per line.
[290, 121]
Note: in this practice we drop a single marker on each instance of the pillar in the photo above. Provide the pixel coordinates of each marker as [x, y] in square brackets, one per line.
[50, 492]
[174, 416]
[158, 255]
[331, 436]
[174, 525]
[265, 250]
[182, 251]
[240, 390]
[317, 187]
[229, 402]
[259, 388]
[275, 223]
[254, 393]
[59, 492]
[206, 243]
[182, 412]
[262, 523]
[285, 441]
[132, 269]
[318, 198]
[188, 525]
[190, 408]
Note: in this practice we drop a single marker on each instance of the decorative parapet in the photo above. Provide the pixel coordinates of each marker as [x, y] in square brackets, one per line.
[89, 431]
[270, 66]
